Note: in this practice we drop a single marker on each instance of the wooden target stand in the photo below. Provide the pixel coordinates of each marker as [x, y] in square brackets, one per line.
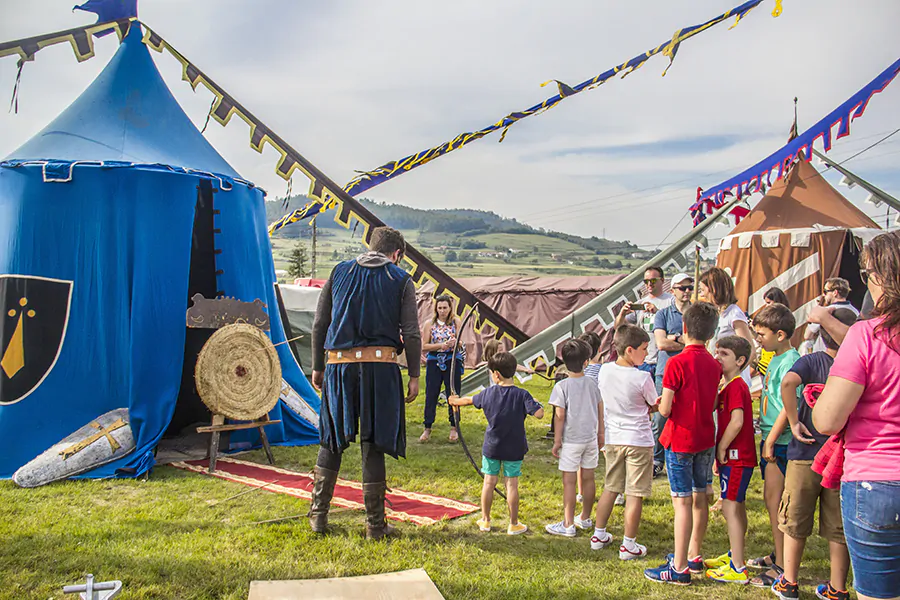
[219, 425]
[237, 353]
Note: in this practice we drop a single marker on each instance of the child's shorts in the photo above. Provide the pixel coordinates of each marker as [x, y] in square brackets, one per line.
[688, 473]
[573, 457]
[629, 470]
[491, 466]
[780, 459]
[802, 489]
[734, 481]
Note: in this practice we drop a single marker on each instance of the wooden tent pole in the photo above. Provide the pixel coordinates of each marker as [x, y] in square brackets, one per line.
[696, 273]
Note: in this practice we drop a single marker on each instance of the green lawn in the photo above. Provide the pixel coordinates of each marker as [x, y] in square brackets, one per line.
[163, 539]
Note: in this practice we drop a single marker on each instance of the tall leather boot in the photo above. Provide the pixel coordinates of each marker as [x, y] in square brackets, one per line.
[376, 525]
[323, 491]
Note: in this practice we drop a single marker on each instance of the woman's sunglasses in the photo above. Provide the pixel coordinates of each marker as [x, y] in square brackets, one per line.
[864, 275]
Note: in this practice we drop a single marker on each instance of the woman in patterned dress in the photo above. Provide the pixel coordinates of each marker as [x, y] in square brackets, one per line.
[440, 335]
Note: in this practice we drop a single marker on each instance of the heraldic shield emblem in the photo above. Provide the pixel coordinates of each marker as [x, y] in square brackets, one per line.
[32, 330]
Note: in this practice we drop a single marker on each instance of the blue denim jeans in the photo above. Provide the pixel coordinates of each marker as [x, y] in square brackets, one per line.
[657, 424]
[688, 473]
[871, 512]
[647, 368]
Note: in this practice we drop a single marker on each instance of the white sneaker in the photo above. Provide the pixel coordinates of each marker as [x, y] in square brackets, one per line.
[561, 529]
[579, 498]
[583, 524]
[620, 500]
[638, 552]
[598, 542]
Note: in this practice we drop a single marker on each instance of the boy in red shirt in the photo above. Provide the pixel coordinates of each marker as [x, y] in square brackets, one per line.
[690, 387]
[735, 456]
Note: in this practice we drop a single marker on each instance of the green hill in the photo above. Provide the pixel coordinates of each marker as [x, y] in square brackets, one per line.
[464, 242]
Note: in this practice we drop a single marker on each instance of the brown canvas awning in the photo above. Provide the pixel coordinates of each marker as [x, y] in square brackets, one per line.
[801, 233]
[531, 303]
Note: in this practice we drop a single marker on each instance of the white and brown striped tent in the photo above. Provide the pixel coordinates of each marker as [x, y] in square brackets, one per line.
[800, 234]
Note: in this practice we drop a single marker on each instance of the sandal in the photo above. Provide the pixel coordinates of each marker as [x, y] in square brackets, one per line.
[763, 562]
[426, 435]
[454, 435]
[767, 578]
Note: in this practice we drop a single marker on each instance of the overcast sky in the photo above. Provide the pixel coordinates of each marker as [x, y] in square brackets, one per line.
[353, 84]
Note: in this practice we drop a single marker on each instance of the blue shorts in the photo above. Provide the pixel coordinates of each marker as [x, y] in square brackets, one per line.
[688, 473]
[491, 466]
[734, 481]
[780, 459]
[870, 510]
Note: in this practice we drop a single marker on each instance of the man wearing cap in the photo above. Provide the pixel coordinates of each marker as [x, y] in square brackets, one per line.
[667, 332]
[655, 300]
[365, 317]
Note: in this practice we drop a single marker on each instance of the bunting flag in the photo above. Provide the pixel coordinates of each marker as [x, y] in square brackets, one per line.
[751, 180]
[311, 210]
[323, 192]
[369, 179]
[81, 39]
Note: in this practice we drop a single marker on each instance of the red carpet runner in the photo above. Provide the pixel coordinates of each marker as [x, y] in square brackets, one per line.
[420, 509]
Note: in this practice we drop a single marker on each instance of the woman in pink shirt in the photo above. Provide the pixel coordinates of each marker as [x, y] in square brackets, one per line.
[862, 397]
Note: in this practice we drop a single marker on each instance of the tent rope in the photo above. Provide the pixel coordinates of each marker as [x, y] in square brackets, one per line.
[14, 101]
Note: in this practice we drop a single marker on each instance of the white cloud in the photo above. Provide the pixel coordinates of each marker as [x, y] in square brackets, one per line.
[354, 84]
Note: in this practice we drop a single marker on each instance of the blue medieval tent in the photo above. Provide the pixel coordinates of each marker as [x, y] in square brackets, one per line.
[109, 219]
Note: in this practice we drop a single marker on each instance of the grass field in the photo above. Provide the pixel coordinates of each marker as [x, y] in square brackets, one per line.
[164, 539]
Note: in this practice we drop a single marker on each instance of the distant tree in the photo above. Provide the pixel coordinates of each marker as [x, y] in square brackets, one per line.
[298, 265]
[617, 264]
[451, 256]
[465, 256]
[595, 262]
[334, 254]
[473, 245]
[604, 263]
[535, 249]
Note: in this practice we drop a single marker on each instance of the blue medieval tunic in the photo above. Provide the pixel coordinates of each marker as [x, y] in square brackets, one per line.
[367, 301]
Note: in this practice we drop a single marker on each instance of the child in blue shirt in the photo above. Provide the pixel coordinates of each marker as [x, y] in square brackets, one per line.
[505, 407]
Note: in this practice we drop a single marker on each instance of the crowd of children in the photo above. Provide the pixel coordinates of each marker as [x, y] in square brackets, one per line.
[709, 427]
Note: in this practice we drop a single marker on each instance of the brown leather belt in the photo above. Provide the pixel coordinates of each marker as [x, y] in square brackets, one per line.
[368, 354]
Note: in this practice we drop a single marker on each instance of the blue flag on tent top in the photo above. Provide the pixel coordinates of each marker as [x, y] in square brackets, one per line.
[109, 10]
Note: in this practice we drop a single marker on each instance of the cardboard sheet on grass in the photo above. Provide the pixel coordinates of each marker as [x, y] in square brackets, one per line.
[405, 585]
[412, 507]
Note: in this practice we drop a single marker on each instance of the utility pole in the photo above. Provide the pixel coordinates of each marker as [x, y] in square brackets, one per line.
[313, 266]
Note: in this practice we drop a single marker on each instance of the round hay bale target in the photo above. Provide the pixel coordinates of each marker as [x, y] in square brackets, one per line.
[238, 373]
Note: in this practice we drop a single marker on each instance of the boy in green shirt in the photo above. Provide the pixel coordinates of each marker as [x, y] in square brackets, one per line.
[774, 325]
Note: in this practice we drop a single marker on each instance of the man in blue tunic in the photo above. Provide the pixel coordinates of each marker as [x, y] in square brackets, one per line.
[366, 316]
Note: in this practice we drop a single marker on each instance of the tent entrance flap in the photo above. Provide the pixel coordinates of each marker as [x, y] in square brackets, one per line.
[849, 269]
[189, 408]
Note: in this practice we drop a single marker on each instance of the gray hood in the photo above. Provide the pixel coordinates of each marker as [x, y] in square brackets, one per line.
[372, 260]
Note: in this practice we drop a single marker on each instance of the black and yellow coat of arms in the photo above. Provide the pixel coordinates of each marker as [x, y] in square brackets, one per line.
[32, 329]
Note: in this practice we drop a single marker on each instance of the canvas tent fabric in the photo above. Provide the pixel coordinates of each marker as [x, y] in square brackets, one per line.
[800, 234]
[102, 202]
[300, 303]
[532, 303]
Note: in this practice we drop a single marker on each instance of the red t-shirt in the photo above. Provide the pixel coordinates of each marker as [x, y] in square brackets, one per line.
[694, 376]
[742, 451]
